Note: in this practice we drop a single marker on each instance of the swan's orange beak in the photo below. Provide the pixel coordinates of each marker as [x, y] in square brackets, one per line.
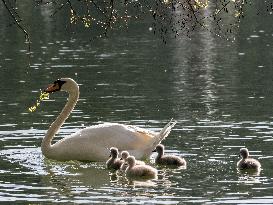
[52, 88]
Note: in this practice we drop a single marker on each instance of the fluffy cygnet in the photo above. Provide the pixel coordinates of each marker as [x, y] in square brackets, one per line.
[113, 162]
[124, 156]
[168, 159]
[246, 162]
[139, 171]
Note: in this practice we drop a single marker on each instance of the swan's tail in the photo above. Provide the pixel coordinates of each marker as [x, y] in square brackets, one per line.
[159, 137]
[156, 140]
[164, 133]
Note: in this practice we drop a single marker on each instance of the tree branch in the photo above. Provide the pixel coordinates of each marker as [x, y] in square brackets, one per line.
[110, 18]
[17, 22]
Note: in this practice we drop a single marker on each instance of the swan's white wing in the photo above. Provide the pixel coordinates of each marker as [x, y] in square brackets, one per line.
[94, 142]
[118, 135]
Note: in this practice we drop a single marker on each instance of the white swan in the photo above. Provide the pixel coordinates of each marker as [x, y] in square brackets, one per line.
[93, 143]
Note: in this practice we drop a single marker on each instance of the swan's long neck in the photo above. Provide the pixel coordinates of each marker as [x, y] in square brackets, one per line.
[46, 146]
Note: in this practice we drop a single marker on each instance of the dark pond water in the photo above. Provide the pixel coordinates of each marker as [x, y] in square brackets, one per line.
[220, 93]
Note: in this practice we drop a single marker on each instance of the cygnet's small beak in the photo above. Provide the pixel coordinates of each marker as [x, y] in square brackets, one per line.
[154, 150]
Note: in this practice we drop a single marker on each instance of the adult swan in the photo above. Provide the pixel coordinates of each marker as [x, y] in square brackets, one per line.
[93, 143]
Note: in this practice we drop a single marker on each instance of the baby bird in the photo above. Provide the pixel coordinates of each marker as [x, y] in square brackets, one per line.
[139, 171]
[162, 159]
[113, 162]
[246, 162]
[124, 156]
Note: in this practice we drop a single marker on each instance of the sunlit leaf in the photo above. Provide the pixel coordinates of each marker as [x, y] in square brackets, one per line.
[201, 3]
[43, 96]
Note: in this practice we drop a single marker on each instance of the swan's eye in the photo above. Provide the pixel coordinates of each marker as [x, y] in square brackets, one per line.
[59, 82]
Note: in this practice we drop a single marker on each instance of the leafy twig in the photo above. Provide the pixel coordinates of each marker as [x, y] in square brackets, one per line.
[17, 22]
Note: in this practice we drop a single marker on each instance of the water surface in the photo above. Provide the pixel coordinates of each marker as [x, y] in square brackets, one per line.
[218, 91]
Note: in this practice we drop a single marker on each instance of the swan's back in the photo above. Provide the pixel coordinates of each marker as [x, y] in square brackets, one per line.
[115, 131]
[95, 141]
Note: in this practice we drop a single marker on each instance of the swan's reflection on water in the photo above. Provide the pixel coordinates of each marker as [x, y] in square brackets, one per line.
[62, 174]
[79, 181]
[76, 174]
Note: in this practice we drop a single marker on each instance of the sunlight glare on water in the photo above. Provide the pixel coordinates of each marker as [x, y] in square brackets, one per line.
[219, 92]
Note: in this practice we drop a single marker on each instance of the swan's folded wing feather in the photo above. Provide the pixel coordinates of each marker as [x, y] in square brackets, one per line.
[118, 135]
[96, 140]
